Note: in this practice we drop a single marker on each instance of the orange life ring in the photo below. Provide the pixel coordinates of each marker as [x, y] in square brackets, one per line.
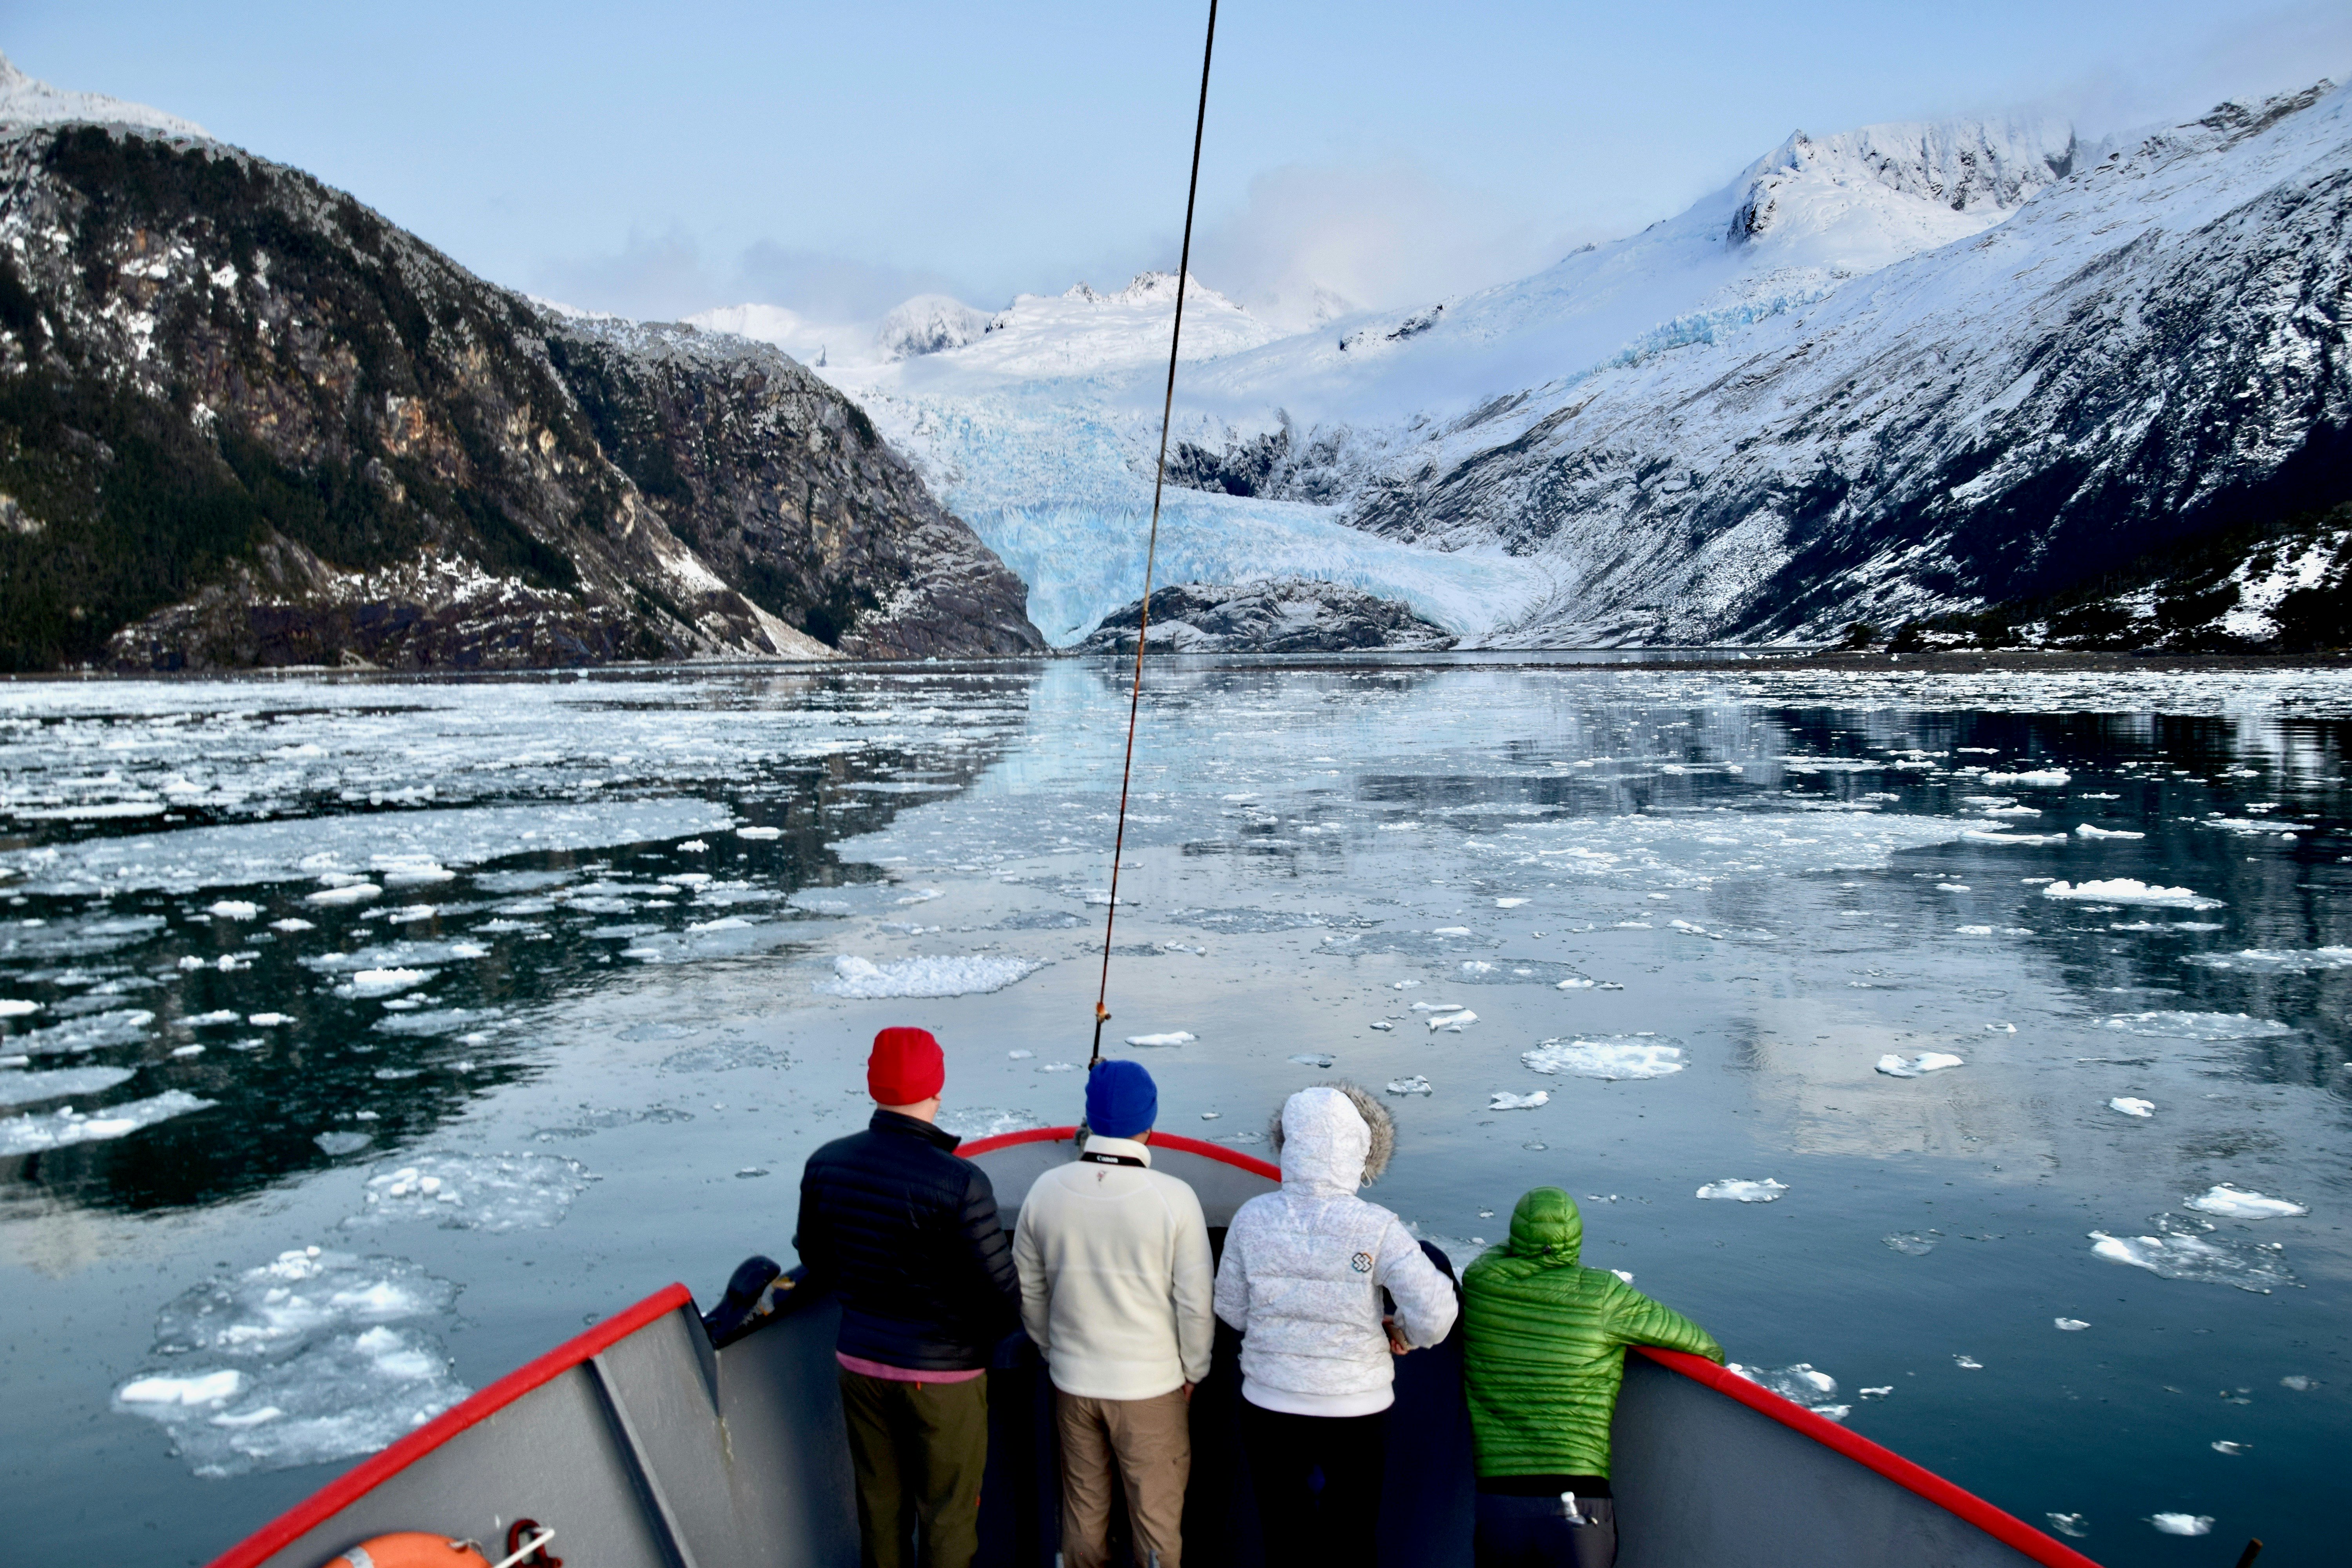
[412, 1548]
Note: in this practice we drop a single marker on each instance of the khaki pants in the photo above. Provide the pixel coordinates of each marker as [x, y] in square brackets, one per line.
[1151, 1441]
[918, 1451]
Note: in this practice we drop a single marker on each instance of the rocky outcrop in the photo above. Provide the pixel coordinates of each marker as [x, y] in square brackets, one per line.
[1289, 615]
[243, 420]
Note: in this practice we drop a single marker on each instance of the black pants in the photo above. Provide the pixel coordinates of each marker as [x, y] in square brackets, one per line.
[1338, 1522]
[1535, 1532]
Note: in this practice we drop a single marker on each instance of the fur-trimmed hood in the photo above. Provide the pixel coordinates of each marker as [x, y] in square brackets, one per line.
[1336, 1135]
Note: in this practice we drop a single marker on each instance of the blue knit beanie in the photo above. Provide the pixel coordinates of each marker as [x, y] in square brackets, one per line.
[1121, 1099]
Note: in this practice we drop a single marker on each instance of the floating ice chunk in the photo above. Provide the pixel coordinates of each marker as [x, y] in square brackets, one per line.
[1954, 888]
[2197, 1026]
[14, 1007]
[1170, 1037]
[1802, 1384]
[1416, 1084]
[1611, 1056]
[1382, 1024]
[1574, 982]
[1967, 1364]
[2130, 890]
[2069, 1325]
[405, 871]
[343, 1395]
[2232, 1203]
[1985, 836]
[303, 1292]
[57, 1129]
[340, 1143]
[1019, 1056]
[1973, 930]
[1740, 1191]
[1879, 1393]
[2182, 1523]
[204, 1388]
[2297, 1382]
[1452, 1023]
[291, 924]
[2227, 1448]
[2071, 1524]
[938, 976]
[1912, 1243]
[269, 1020]
[205, 1020]
[1058, 1066]
[2276, 961]
[1449, 931]
[187, 1050]
[2249, 1265]
[1895, 1065]
[234, 910]
[2132, 1107]
[1508, 903]
[370, 982]
[759, 833]
[2088, 830]
[355, 893]
[476, 1192]
[984, 1122]
[1314, 1058]
[1502, 1099]
[32, 1087]
[2039, 778]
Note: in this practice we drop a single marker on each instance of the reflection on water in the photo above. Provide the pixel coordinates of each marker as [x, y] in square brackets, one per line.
[570, 974]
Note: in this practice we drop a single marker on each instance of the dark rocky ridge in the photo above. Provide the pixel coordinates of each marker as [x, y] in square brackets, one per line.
[243, 420]
[1288, 615]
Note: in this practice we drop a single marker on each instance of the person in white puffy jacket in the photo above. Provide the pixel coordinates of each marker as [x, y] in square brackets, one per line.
[1301, 1281]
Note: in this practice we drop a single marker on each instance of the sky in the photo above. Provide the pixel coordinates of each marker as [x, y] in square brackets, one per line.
[836, 158]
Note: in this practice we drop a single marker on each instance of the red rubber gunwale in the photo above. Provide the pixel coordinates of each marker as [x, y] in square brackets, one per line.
[374, 1470]
[1217, 1151]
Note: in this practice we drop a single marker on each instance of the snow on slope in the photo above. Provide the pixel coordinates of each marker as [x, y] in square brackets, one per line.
[2153, 338]
[1040, 431]
[26, 101]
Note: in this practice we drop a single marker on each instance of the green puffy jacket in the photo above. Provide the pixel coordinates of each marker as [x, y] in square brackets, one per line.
[1544, 1350]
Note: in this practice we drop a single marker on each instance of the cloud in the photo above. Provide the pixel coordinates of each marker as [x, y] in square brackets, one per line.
[670, 275]
[1381, 235]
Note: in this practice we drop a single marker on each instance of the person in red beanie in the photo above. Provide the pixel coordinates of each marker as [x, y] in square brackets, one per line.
[907, 1235]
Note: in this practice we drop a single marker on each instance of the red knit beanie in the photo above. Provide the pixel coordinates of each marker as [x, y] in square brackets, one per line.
[906, 1067]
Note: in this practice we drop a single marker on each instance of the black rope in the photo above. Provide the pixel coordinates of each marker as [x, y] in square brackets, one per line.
[1151, 550]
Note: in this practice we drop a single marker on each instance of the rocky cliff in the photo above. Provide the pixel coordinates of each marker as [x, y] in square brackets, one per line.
[1288, 615]
[243, 420]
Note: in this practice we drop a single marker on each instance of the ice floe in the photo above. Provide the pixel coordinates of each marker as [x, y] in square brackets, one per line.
[1503, 1099]
[1802, 1384]
[2038, 778]
[2130, 890]
[2276, 961]
[2233, 1202]
[2175, 1026]
[2070, 1524]
[300, 1292]
[1169, 1038]
[935, 977]
[16, 1007]
[1983, 836]
[116, 1027]
[2182, 1523]
[66, 1126]
[1416, 1084]
[2069, 1325]
[1608, 1057]
[2088, 830]
[372, 983]
[1896, 1065]
[476, 1192]
[1912, 1243]
[2248, 1265]
[984, 1122]
[32, 1087]
[1453, 1022]
[234, 910]
[2131, 1106]
[1744, 1192]
[350, 893]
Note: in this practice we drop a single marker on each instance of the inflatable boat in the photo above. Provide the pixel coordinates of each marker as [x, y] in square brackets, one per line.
[661, 1439]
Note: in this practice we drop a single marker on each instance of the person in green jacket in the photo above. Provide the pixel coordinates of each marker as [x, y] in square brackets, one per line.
[1543, 1354]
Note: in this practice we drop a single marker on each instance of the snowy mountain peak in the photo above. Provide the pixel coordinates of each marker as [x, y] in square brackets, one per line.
[1983, 167]
[930, 324]
[26, 100]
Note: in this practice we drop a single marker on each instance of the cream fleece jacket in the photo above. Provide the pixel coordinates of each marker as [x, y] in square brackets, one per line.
[1115, 1275]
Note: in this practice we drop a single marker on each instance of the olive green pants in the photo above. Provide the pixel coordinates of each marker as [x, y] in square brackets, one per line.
[918, 1450]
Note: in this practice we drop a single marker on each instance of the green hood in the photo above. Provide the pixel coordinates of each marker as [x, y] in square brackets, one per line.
[1547, 1225]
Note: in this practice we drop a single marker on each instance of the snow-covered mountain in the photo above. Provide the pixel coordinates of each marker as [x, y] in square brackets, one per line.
[24, 101]
[1896, 371]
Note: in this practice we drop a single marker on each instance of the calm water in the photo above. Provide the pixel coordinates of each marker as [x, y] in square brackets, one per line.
[515, 1000]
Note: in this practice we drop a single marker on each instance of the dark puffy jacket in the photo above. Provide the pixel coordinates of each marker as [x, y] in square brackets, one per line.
[906, 1235]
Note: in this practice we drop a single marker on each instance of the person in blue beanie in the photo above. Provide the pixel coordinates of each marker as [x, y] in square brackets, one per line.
[1115, 1290]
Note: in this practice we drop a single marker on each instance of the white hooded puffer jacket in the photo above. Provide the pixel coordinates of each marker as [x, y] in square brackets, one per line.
[1304, 1267]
